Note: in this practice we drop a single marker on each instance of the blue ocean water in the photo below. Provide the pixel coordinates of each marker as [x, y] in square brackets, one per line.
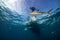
[12, 26]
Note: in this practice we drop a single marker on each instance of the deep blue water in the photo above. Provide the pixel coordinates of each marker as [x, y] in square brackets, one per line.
[12, 26]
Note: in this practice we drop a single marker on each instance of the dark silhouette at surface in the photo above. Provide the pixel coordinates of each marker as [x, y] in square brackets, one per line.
[33, 9]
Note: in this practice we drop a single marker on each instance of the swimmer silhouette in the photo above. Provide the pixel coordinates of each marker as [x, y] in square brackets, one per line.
[32, 24]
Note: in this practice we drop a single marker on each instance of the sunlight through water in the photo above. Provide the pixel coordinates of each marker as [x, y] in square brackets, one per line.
[16, 5]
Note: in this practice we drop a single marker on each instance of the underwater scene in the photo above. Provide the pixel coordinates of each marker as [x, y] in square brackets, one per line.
[29, 19]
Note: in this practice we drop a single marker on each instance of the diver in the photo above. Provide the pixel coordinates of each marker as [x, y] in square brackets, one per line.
[32, 24]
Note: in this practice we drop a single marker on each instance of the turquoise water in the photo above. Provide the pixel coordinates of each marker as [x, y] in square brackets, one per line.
[12, 26]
